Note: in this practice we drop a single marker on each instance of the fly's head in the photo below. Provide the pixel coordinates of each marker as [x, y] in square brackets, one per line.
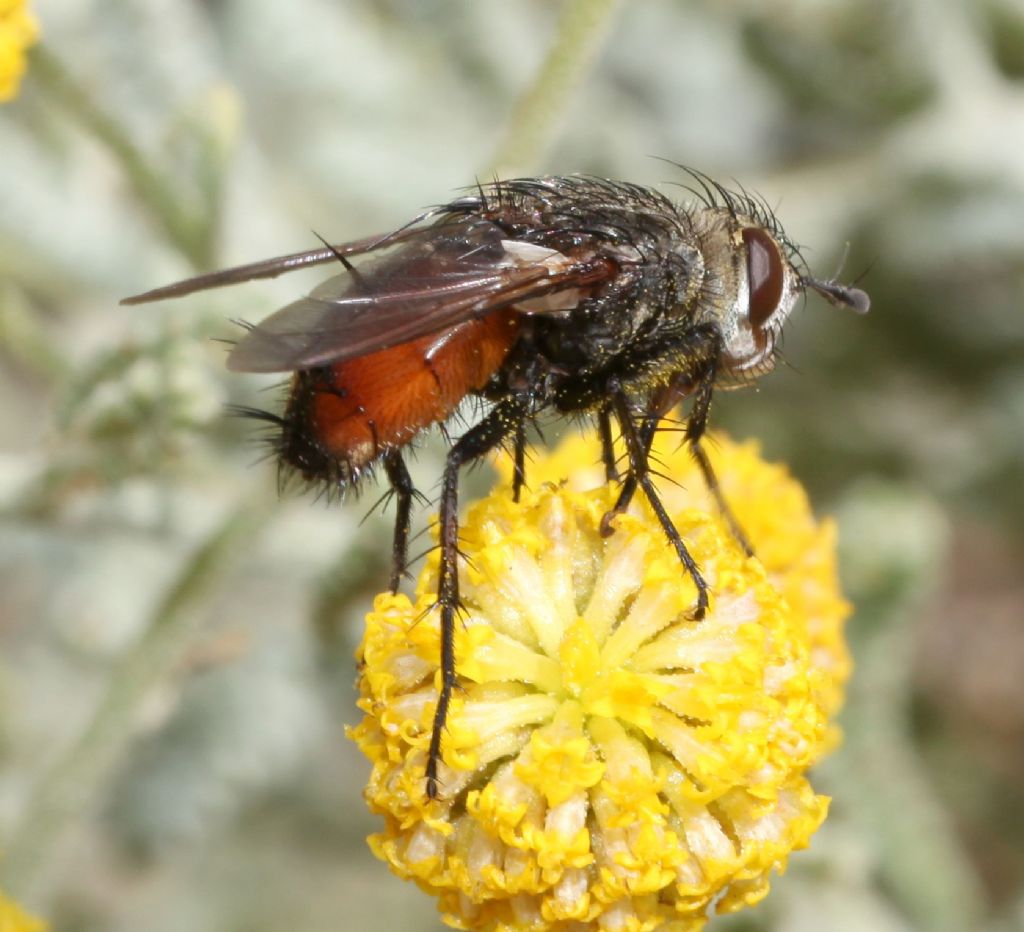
[753, 281]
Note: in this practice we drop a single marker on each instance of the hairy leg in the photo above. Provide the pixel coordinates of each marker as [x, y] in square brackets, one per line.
[401, 483]
[639, 471]
[481, 439]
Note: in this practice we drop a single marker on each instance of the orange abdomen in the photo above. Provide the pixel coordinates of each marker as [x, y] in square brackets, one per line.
[366, 406]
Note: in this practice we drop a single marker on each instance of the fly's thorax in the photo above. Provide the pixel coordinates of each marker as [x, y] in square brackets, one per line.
[749, 290]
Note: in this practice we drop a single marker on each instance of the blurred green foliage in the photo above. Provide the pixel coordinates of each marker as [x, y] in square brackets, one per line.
[146, 571]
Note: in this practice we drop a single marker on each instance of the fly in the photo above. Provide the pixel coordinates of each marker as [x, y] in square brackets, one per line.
[568, 294]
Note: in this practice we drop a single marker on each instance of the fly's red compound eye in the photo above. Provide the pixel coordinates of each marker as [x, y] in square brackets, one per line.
[765, 273]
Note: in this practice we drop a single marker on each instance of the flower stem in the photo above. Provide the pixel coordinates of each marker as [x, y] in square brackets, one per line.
[64, 793]
[582, 29]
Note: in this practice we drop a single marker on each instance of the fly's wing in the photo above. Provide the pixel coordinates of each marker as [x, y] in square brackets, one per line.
[271, 268]
[441, 276]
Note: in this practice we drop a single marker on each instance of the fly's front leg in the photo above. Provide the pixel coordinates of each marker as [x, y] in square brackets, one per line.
[646, 433]
[698, 350]
[401, 483]
[695, 428]
[481, 439]
[639, 470]
[662, 401]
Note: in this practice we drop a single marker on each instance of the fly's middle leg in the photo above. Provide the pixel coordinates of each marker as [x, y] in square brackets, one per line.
[519, 460]
[604, 431]
[481, 439]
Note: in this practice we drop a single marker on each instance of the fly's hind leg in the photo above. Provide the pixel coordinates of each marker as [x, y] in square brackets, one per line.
[640, 473]
[401, 484]
[481, 439]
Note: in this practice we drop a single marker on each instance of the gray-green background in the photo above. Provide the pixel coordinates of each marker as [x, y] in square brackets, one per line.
[175, 644]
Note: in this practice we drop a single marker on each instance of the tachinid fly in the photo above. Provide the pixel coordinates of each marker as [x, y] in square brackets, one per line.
[572, 294]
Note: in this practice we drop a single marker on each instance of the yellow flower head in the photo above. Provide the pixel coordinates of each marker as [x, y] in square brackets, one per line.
[14, 919]
[609, 762]
[18, 30]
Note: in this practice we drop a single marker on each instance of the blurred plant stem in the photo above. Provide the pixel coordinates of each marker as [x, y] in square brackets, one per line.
[582, 29]
[68, 789]
[191, 231]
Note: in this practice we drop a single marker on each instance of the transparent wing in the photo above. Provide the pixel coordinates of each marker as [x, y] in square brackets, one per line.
[438, 277]
[269, 268]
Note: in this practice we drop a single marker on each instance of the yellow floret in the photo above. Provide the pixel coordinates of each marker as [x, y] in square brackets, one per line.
[610, 762]
[18, 31]
[12, 917]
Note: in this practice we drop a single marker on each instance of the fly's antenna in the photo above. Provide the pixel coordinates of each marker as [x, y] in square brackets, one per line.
[840, 295]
